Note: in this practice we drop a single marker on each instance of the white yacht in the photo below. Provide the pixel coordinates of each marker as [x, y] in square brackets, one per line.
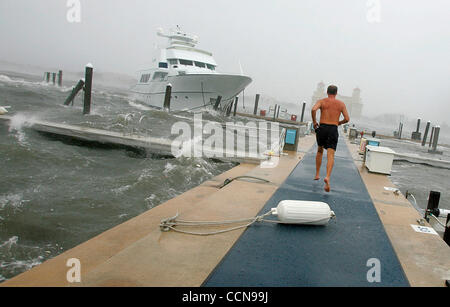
[193, 74]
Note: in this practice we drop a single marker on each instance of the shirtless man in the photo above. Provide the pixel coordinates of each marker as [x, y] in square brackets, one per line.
[327, 132]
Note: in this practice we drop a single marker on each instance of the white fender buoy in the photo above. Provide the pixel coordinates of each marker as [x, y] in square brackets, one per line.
[3, 111]
[303, 212]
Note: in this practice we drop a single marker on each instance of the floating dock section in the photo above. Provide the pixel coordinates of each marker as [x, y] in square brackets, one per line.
[154, 145]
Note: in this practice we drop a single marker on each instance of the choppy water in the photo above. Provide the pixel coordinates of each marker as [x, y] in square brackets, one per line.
[418, 179]
[55, 195]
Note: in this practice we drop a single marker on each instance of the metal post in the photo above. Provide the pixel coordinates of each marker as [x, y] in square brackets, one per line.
[88, 89]
[418, 125]
[167, 97]
[424, 140]
[303, 112]
[433, 204]
[216, 105]
[400, 131]
[256, 104]
[235, 106]
[60, 75]
[75, 91]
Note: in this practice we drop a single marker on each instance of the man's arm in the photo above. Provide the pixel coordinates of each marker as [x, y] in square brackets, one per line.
[314, 111]
[346, 116]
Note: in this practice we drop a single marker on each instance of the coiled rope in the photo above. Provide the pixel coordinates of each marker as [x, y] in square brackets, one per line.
[170, 224]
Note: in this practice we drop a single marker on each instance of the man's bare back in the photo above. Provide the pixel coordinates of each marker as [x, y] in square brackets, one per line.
[330, 111]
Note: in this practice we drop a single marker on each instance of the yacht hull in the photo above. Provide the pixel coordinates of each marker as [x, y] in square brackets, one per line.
[192, 91]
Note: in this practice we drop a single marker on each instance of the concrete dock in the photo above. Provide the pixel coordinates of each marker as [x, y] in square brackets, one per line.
[371, 223]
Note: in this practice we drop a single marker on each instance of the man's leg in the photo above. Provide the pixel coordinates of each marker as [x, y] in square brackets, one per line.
[318, 162]
[330, 164]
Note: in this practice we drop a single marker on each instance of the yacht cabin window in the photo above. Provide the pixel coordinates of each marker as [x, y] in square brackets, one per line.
[145, 78]
[191, 63]
[163, 65]
[186, 62]
[200, 64]
[159, 76]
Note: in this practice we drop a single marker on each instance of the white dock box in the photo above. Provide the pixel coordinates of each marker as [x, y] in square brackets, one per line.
[379, 159]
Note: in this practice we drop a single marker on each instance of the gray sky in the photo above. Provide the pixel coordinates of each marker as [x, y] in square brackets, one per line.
[401, 63]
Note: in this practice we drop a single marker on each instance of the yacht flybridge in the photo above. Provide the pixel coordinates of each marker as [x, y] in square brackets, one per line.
[193, 74]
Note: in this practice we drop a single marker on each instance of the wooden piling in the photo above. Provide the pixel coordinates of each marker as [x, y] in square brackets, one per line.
[433, 204]
[75, 91]
[427, 128]
[167, 97]
[275, 112]
[235, 106]
[436, 137]
[303, 112]
[216, 105]
[255, 111]
[431, 137]
[54, 78]
[47, 77]
[88, 89]
[60, 75]
[230, 106]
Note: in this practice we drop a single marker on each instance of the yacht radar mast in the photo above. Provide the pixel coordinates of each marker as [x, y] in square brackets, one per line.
[178, 37]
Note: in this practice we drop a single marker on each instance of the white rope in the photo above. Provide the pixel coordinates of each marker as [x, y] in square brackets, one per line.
[170, 223]
[439, 222]
[415, 203]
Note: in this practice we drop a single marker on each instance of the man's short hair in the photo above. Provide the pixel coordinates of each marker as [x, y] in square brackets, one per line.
[332, 90]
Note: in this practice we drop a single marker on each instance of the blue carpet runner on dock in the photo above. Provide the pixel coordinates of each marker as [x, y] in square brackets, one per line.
[274, 255]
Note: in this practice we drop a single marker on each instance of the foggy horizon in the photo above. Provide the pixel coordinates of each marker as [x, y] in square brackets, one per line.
[396, 52]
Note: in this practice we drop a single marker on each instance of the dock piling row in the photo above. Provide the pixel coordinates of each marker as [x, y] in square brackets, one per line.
[55, 77]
